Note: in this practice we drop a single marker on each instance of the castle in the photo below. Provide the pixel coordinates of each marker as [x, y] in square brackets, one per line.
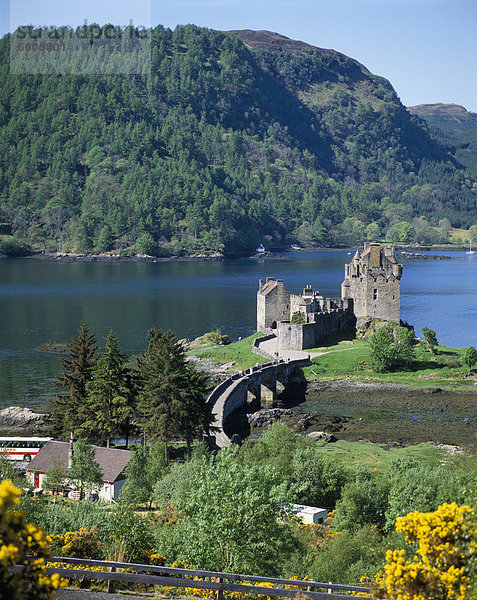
[370, 290]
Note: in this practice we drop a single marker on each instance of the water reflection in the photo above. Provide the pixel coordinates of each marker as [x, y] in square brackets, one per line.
[42, 301]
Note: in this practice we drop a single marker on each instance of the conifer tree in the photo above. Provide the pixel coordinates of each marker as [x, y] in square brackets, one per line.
[171, 398]
[110, 398]
[69, 408]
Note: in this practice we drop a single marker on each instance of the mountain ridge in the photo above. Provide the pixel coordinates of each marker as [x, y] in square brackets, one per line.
[454, 127]
[222, 146]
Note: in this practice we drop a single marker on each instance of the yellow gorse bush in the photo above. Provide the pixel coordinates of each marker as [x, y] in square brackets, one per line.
[22, 544]
[211, 594]
[444, 541]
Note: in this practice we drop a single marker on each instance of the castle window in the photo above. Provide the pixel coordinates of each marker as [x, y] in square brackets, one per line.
[375, 294]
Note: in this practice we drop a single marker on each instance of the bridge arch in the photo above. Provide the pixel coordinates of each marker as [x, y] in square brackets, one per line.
[258, 383]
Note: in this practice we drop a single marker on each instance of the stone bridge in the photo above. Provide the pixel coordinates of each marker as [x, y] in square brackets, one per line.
[255, 387]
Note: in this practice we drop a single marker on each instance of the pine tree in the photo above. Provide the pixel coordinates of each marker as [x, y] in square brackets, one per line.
[69, 408]
[110, 398]
[171, 398]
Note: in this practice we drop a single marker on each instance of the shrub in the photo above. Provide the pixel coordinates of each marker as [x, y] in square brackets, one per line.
[216, 338]
[82, 544]
[13, 247]
[22, 543]
[470, 357]
[392, 348]
[298, 317]
[443, 543]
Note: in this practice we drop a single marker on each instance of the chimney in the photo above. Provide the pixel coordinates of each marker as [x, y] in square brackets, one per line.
[70, 452]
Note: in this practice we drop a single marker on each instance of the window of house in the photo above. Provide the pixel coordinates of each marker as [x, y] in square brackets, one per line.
[375, 294]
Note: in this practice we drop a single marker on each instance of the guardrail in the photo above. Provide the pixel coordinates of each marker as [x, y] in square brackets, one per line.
[185, 578]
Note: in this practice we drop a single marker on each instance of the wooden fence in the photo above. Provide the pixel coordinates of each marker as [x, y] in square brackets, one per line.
[184, 578]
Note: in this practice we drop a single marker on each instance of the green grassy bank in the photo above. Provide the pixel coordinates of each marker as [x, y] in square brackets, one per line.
[343, 357]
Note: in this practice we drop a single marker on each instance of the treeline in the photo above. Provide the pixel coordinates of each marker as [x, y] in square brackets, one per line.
[231, 511]
[102, 395]
[219, 147]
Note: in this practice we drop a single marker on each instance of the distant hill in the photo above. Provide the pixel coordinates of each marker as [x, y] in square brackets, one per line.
[233, 139]
[453, 126]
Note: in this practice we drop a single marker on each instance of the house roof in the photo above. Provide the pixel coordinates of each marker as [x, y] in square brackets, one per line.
[111, 461]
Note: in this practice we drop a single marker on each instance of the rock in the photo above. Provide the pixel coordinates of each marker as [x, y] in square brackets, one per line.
[16, 416]
[267, 416]
[185, 343]
[197, 341]
[213, 371]
[449, 448]
[316, 435]
[60, 347]
[321, 436]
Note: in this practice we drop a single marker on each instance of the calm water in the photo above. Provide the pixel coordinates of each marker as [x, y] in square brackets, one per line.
[43, 300]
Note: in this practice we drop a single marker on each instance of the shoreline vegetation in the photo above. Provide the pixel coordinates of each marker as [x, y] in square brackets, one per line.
[406, 253]
[340, 395]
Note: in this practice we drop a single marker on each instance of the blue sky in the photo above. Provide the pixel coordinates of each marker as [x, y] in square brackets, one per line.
[426, 48]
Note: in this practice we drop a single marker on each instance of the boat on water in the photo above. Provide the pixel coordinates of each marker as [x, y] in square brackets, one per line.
[295, 247]
[260, 249]
[470, 251]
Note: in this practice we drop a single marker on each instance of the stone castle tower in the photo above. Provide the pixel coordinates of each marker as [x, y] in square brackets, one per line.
[372, 280]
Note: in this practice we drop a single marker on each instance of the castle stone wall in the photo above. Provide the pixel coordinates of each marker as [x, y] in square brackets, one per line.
[372, 280]
[300, 336]
[273, 304]
[371, 289]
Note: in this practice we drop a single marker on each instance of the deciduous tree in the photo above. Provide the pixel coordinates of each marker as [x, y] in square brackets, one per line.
[470, 357]
[84, 468]
[230, 517]
[430, 339]
[146, 467]
[392, 348]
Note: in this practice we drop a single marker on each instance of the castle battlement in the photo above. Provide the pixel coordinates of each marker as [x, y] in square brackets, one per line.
[372, 280]
[371, 289]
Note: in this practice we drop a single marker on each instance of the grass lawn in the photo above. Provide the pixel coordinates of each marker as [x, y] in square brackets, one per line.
[376, 456]
[349, 358]
[239, 353]
[345, 357]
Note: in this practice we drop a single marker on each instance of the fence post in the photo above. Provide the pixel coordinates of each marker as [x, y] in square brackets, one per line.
[220, 592]
[111, 584]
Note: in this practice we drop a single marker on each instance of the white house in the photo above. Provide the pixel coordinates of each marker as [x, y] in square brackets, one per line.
[310, 514]
[112, 463]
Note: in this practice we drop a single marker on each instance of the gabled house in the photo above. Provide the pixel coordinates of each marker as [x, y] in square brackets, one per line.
[112, 463]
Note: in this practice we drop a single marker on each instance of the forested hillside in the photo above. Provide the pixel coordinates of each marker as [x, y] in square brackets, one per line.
[453, 126]
[232, 139]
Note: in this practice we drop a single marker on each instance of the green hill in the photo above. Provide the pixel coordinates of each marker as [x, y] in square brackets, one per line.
[232, 139]
[453, 126]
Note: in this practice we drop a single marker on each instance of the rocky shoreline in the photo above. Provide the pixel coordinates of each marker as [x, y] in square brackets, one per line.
[21, 420]
[385, 413]
[406, 252]
[71, 257]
